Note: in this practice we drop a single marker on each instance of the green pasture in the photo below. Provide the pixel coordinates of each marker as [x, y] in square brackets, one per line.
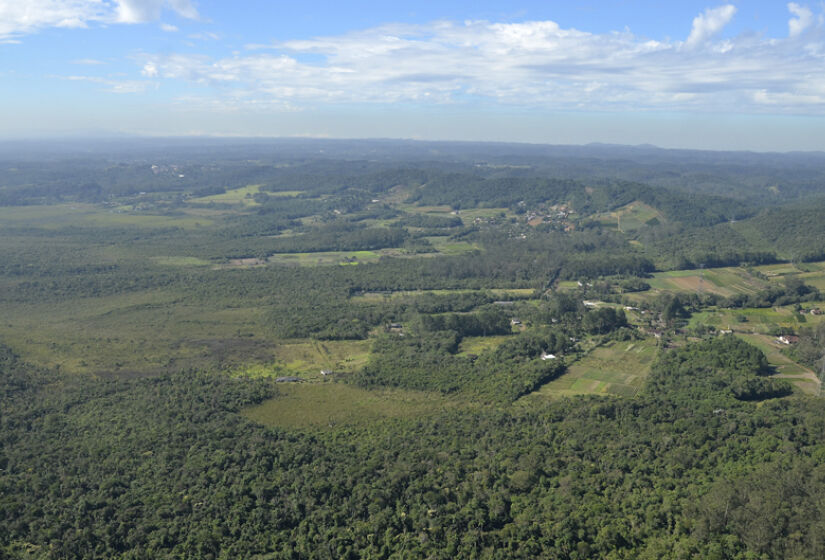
[326, 405]
[618, 368]
[479, 344]
[326, 258]
[179, 261]
[502, 293]
[630, 217]
[754, 320]
[242, 195]
[446, 246]
[55, 216]
[309, 357]
[148, 331]
[306, 359]
[722, 281]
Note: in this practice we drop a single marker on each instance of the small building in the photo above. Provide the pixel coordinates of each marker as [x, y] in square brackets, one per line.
[515, 322]
[788, 339]
[326, 372]
[547, 356]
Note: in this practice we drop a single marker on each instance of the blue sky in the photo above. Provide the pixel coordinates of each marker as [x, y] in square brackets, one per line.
[726, 75]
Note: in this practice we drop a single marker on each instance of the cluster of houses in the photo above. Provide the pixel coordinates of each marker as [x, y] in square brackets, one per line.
[556, 213]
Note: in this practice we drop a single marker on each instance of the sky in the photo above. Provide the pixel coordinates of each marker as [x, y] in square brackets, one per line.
[721, 75]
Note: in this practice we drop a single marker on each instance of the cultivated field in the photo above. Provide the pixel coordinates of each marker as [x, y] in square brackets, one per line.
[618, 368]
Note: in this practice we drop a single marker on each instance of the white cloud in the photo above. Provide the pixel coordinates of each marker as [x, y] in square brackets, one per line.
[139, 11]
[20, 17]
[169, 28]
[803, 18]
[150, 70]
[115, 86]
[707, 24]
[534, 64]
[88, 61]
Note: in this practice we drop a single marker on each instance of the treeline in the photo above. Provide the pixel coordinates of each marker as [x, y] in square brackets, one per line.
[795, 232]
[697, 370]
[340, 238]
[429, 362]
[470, 191]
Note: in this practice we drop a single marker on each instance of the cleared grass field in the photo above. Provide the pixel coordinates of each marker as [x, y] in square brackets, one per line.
[242, 195]
[179, 261]
[618, 368]
[630, 217]
[753, 320]
[478, 344]
[446, 246]
[728, 281]
[722, 281]
[326, 405]
[55, 216]
[503, 293]
[147, 331]
[326, 258]
[309, 357]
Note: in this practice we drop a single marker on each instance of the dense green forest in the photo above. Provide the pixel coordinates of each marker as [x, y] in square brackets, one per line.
[321, 349]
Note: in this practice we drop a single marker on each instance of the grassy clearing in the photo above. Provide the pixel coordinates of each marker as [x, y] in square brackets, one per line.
[141, 331]
[631, 217]
[503, 293]
[323, 405]
[242, 195]
[326, 258]
[722, 281]
[754, 320]
[179, 261]
[308, 358]
[446, 246]
[618, 368]
[56, 216]
[479, 344]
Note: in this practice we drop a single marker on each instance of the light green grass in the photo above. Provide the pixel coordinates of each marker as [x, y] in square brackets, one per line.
[326, 405]
[180, 261]
[146, 331]
[242, 195]
[310, 357]
[446, 246]
[757, 320]
[56, 216]
[633, 216]
[503, 293]
[722, 281]
[326, 258]
[479, 344]
[618, 368]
